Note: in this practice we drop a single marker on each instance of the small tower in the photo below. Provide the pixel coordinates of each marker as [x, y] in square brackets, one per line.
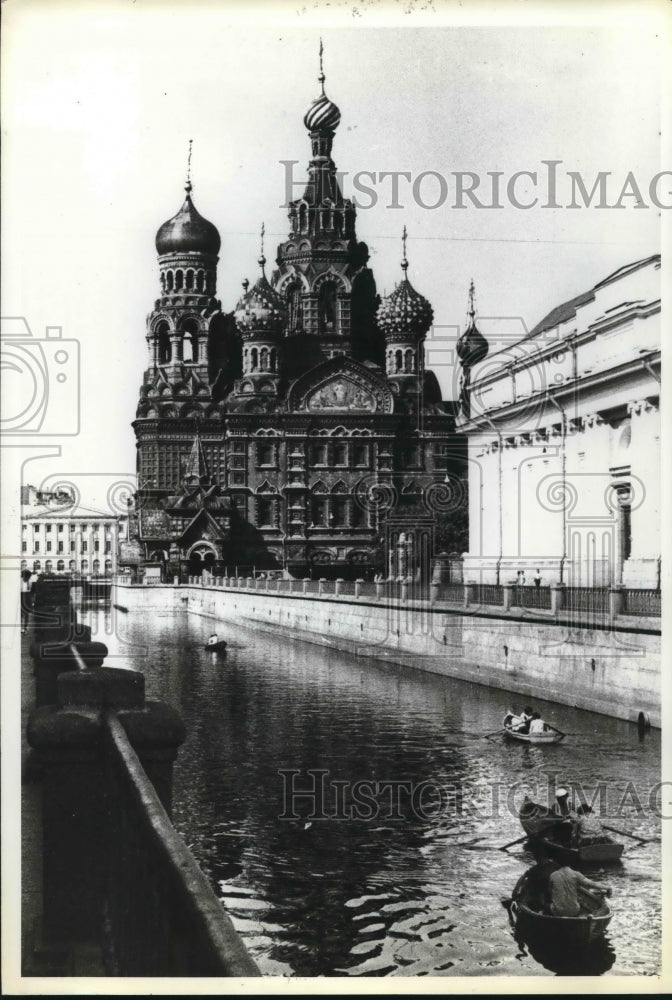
[404, 318]
[472, 347]
[260, 317]
[178, 327]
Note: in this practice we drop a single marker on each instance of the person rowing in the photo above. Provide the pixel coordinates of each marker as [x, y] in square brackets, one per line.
[586, 828]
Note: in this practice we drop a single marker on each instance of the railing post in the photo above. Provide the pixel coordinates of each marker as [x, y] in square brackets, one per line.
[320, 587]
[507, 596]
[469, 594]
[616, 600]
[358, 588]
[305, 582]
[379, 589]
[558, 595]
[337, 587]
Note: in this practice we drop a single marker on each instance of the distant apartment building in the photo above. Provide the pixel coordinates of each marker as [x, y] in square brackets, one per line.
[60, 537]
[564, 441]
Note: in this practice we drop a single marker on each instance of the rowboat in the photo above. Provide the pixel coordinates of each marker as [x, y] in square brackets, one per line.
[215, 645]
[546, 829]
[575, 932]
[550, 735]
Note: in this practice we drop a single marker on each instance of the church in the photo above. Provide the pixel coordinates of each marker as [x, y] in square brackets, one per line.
[300, 432]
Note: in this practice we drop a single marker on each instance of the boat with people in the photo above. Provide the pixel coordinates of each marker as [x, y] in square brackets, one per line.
[549, 735]
[215, 644]
[530, 917]
[545, 827]
[529, 727]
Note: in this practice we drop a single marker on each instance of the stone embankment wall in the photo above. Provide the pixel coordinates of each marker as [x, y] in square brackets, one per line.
[613, 671]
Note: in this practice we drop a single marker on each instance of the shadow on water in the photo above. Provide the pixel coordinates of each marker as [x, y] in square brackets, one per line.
[592, 960]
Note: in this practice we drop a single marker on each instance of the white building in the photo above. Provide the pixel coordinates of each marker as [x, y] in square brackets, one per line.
[564, 442]
[59, 537]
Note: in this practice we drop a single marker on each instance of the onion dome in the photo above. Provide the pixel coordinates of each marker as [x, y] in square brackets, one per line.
[261, 308]
[188, 231]
[472, 346]
[405, 312]
[323, 114]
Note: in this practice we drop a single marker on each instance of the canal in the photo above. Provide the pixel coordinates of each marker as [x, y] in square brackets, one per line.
[391, 866]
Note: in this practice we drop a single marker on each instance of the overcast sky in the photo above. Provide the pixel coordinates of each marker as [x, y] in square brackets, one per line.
[101, 99]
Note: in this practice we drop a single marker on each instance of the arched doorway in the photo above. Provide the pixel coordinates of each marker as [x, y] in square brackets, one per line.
[201, 556]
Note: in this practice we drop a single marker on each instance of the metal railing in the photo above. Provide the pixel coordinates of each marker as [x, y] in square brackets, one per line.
[489, 593]
[642, 602]
[532, 597]
[587, 600]
[572, 601]
[163, 916]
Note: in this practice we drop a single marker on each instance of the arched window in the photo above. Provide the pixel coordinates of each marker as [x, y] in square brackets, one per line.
[72, 565]
[85, 565]
[327, 307]
[162, 279]
[60, 565]
[37, 566]
[254, 358]
[108, 567]
[263, 359]
[163, 334]
[169, 281]
[199, 281]
[190, 341]
[303, 218]
[96, 566]
[48, 566]
[179, 280]
[408, 359]
[190, 279]
[295, 306]
[398, 361]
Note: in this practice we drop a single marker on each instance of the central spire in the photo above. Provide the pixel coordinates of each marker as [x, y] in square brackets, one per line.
[323, 116]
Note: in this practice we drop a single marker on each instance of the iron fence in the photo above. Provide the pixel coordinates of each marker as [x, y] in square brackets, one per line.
[642, 602]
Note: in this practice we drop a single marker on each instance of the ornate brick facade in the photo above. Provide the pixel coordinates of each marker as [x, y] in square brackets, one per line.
[303, 422]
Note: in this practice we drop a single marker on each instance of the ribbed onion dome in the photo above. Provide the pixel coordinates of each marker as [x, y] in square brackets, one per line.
[405, 311]
[188, 231]
[322, 114]
[261, 308]
[472, 346]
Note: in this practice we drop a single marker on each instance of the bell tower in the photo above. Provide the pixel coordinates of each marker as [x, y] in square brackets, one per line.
[322, 269]
[185, 330]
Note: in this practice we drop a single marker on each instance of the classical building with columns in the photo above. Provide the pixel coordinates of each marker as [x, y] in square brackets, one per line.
[564, 441]
[297, 430]
[59, 537]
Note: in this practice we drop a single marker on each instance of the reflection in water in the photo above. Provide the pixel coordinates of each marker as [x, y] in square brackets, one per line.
[413, 885]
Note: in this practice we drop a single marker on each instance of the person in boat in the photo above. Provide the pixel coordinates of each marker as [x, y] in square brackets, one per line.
[572, 894]
[525, 720]
[213, 640]
[586, 828]
[566, 816]
[537, 724]
[512, 719]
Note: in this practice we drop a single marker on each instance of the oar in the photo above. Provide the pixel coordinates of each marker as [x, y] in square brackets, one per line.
[495, 733]
[624, 833]
[513, 842]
